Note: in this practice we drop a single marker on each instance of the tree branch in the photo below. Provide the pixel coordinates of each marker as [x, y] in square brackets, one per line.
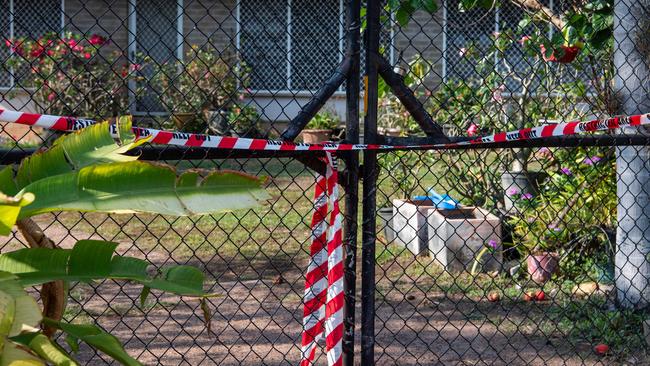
[549, 14]
[53, 294]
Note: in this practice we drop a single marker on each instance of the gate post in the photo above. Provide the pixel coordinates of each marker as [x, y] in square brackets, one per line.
[369, 185]
[353, 47]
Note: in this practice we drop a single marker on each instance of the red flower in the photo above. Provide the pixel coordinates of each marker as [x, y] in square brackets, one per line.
[37, 52]
[72, 42]
[87, 55]
[78, 48]
[569, 54]
[97, 40]
[472, 129]
[51, 96]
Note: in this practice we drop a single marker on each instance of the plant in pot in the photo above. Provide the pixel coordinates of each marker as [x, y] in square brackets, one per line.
[571, 216]
[320, 128]
[206, 80]
[243, 121]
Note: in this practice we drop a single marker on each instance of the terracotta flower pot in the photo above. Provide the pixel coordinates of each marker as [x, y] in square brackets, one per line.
[316, 136]
[570, 54]
[182, 120]
[542, 266]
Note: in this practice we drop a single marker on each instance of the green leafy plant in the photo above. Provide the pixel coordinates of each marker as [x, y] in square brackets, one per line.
[21, 337]
[244, 121]
[324, 120]
[575, 207]
[72, 75]
[206, 79]
[89, 171]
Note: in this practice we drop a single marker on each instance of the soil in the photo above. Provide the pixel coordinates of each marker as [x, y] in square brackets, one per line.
[258, 321]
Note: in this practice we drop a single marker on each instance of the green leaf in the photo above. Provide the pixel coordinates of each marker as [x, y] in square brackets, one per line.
[12, 355]
[135, 186]
[403, 15]
[92, 145]
[7, 184]
[96, 338]
[10, 208]
[49, 351]
[429, 5]
[602, 21]
[92, 260]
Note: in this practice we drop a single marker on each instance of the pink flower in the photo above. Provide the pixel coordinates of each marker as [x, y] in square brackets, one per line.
[97, 40]
[512, 192]
[86, 55]
[241, 97]
[78, 48]
[72, 42]
[134, 67]
[472, 129]
[497, 93]
[496, 34]
[51, 96]
[524, 40]
[592, 160]
[526, 196]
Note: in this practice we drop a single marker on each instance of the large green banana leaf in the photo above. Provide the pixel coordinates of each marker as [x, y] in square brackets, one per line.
[92, 145]
[87, 171]
[143, 187]
[19, 313]
[92, 260]
[23, 344]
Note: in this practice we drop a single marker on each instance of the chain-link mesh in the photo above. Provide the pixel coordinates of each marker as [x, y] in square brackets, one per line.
[537, 253]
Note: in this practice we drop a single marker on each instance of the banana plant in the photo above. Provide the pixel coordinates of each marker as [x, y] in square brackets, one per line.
[21, 340]
[89, 171]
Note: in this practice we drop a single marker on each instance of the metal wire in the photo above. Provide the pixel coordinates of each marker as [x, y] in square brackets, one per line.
[428, 286]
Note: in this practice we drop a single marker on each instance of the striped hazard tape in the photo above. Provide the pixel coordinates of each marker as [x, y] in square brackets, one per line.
[324, 296]
[239, 143]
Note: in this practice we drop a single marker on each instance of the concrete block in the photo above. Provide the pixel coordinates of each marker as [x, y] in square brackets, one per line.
[457, 236]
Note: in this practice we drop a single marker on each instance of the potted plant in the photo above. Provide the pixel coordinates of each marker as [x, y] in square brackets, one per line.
[320, 128]
[243, 121]
[198, 89]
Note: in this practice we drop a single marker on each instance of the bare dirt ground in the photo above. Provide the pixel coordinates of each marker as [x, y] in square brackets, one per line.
[258, 322]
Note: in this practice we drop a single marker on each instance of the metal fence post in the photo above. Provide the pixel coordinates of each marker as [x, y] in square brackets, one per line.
[353, 46]
[369, 186]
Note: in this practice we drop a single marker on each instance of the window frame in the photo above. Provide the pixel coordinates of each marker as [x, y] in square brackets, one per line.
[12, 82]
[289, 91]
[132, 26]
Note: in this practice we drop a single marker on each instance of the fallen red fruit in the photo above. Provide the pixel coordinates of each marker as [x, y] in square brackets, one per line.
[540, 296]
[601, 349]
[529, 296]
[494, 297]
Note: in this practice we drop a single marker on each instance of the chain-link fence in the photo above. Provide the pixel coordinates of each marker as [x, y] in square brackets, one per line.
[531, 252]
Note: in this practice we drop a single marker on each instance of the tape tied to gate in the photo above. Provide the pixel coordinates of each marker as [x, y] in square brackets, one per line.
[160, 137]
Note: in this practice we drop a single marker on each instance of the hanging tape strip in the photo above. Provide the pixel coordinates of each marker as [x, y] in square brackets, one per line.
[160, 137]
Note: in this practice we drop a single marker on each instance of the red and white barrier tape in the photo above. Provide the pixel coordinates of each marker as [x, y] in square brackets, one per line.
[324, 296]
[239, 143]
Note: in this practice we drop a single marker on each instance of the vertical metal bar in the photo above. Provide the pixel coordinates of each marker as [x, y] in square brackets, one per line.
[289, 51]
[133, 49]
[353, 47]
[369, 186]
[179, 29]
